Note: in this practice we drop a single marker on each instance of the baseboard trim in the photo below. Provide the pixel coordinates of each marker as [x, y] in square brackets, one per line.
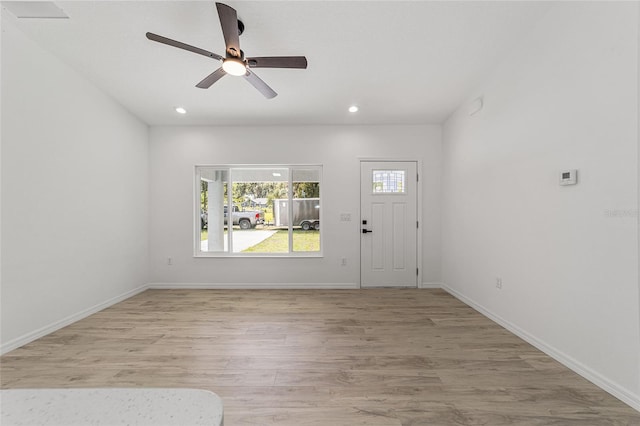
[594, 377]
[41, 332]
[431, 285]
[253, 286]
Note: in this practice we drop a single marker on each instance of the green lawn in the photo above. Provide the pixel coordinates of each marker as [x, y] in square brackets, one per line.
[279, 242]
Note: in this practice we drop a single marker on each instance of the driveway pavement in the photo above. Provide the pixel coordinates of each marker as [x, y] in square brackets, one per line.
[243, 239]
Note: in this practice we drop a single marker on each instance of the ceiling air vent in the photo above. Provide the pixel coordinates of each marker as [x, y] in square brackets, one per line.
[35, 9]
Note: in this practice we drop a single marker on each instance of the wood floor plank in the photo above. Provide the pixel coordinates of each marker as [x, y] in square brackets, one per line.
[383, 357]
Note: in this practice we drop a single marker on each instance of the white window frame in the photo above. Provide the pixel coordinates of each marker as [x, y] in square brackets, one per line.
[229, 169]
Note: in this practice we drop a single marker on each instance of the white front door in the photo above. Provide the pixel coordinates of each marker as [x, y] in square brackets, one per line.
[388, 223]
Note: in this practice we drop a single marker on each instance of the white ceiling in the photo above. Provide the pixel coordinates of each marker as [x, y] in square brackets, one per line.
[401, 62]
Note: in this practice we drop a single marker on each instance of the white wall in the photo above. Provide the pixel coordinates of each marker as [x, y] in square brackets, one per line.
[74, 194]
[566, 98]
[175, 150]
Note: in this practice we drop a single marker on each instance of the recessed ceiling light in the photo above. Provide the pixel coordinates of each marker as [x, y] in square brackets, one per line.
[353, 108]
[276, 174]
[181, 110]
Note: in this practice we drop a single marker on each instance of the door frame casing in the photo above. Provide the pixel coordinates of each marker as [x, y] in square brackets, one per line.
[419, 197]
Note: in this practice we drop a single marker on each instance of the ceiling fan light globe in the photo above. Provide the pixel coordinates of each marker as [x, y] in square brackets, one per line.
[234, 67]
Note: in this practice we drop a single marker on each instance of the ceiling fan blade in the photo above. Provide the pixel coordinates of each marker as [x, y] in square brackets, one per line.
[229, 23]
[211, 78]
[180, 45]
[278, 62]
[262, 87]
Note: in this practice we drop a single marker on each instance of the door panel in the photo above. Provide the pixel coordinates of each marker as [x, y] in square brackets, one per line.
[399, 222]
[377, 248]
[388, 197]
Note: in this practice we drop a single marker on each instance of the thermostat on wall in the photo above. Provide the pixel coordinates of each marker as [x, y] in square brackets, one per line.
[568, 177]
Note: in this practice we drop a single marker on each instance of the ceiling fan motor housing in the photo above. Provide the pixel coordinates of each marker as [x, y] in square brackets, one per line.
[232, 53]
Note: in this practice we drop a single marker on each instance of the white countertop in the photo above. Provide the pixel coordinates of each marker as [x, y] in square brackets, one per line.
[110, 407]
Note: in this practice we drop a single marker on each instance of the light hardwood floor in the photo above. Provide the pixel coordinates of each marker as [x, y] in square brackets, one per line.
[319, 357]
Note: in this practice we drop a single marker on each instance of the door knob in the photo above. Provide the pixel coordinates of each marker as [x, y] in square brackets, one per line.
[364, 231]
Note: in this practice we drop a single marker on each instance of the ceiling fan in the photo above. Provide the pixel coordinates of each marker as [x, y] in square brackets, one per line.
[234, 62]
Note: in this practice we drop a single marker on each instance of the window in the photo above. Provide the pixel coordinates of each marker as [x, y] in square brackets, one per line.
[257, 210]
[388, 181]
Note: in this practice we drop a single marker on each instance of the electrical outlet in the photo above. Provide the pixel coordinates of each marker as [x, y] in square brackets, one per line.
[343, 261]
[169, 261]
[499, 283]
